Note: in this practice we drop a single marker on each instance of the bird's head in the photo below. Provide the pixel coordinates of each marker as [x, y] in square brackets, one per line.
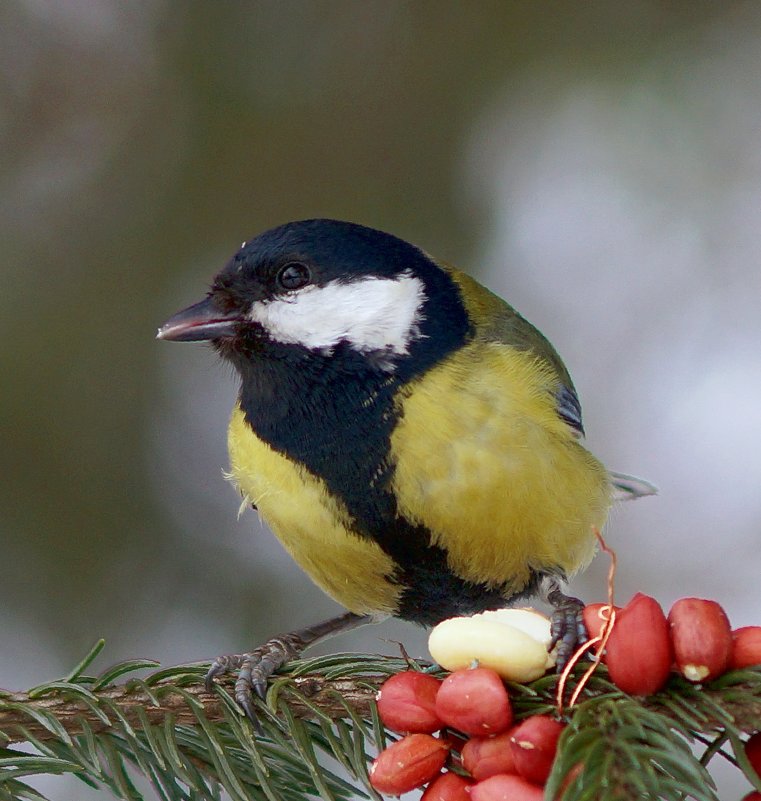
[326, 288]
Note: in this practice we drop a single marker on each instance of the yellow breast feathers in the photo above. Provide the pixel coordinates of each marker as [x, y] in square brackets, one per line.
[485, 462]
[311, 524]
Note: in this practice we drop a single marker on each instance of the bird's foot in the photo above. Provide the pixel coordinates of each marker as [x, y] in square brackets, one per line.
[567, 628]
[255, 668]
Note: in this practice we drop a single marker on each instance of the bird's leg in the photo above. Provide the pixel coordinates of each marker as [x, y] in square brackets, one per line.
[566, 624]
[256, 667]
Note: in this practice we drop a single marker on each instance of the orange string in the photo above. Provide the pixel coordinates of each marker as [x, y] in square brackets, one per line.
[608, 616]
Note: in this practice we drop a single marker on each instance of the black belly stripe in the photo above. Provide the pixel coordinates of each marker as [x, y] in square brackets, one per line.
[433, 593]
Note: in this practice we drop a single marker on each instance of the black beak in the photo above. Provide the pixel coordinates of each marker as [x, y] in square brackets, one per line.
[199, 322]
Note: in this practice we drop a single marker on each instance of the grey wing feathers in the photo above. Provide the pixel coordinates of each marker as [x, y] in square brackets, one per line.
[569, 408]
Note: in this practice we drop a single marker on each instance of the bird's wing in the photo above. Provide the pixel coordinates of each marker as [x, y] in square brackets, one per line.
[494, 320]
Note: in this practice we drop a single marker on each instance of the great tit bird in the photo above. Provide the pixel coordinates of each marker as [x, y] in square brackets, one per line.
[413, 442]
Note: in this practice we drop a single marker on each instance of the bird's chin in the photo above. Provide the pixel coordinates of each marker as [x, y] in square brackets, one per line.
[244, 343]
[225, 346]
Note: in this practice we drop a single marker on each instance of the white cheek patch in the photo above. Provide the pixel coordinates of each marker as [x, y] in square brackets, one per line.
[371, 314]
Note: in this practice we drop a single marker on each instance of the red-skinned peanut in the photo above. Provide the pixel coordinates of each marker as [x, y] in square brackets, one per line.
[407, 703]
[448, 787]
[702, 638]
[408, 763]
[593, 618]
[505, 787]
[483, 757]
[746, 647]
[639, 652]
[534, 743]
[474, 701]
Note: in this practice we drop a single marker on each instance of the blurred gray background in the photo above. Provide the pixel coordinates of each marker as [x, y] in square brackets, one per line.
[598, 164]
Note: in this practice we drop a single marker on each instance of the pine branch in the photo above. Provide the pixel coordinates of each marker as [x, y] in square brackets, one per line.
[191, 744]
[138, 703]
[153, 701]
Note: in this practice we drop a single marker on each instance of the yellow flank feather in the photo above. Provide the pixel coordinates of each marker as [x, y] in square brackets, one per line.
[311, 524]
[485, 462]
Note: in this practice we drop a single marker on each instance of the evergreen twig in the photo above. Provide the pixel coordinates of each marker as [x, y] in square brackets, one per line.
[319, 720]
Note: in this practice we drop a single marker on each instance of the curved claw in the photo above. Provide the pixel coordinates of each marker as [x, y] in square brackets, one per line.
[220, 666]
[567, 628]
[245, 699]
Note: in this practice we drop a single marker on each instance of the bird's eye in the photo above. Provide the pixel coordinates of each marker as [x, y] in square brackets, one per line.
[293, 275]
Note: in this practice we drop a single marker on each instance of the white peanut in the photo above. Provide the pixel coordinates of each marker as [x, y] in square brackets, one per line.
[512, 642]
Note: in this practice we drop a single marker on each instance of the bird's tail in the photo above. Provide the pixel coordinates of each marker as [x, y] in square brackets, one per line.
[628, 488]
